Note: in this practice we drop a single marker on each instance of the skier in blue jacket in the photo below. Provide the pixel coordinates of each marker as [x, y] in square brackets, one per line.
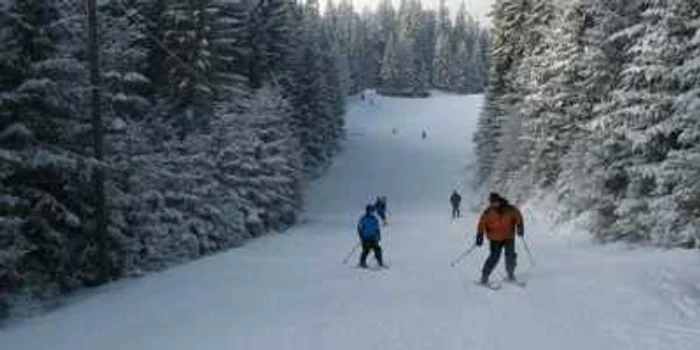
[370, 235]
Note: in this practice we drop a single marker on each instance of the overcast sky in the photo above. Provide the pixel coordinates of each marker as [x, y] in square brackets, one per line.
[478, 8]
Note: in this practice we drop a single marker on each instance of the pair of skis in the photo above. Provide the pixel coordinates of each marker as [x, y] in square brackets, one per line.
[373, 268]
[498, 285]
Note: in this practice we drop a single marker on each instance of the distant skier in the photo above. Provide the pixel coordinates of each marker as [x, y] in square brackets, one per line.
[370, 235]
[500, 222]
[380, 207]
[362, 96]
[394, 131]
[455, 200]
[424, 135]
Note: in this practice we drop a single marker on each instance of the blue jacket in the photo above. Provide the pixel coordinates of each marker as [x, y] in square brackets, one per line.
[368, 228]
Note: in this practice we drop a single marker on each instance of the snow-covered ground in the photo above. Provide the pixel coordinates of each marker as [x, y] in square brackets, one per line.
[291, 291]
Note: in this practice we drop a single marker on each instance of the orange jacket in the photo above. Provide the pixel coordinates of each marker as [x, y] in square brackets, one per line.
[500, 226]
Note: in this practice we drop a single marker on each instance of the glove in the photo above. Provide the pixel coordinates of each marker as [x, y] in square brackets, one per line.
[521, 231]
[479, 240]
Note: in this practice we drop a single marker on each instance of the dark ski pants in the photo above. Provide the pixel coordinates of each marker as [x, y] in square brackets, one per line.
[368, 246]
[455, 211]
[382, 215]
[492, 260]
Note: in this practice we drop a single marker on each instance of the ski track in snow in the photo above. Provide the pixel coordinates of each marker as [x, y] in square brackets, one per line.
[291, 291]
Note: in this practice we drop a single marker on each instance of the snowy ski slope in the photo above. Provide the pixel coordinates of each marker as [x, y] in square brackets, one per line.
[291, 291]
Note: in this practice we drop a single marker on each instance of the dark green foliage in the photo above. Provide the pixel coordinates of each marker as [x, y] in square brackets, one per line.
[271, 40]
[210, 133]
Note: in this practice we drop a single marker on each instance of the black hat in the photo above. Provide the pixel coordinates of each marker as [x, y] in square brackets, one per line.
[495, 197]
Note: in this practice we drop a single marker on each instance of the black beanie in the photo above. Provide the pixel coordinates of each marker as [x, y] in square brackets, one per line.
[495, 197]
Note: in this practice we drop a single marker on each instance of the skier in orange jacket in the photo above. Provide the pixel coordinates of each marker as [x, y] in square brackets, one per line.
[500, 222]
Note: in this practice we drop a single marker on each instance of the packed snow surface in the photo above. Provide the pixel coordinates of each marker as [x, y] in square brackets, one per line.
[291, 291]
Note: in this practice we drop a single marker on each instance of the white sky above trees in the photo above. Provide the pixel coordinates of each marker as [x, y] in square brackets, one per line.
[478, 8]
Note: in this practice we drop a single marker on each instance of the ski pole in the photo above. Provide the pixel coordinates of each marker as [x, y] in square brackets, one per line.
[461, 257]
[345, 261]
[527, 249]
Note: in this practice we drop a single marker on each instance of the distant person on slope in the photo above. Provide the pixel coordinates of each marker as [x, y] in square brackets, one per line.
[455, 200]
[370, 235]
[424, 135]
[499, 222]
[380, 207]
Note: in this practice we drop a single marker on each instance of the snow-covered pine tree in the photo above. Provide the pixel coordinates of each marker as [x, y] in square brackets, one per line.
[361, 67]
[414, 69]
[478, 65]
[528, 80]
[311, 93]
[472, 67]
[258, 164]
[276, 191]
[164, 211]
[514, 144]
[152, 15]
[427, 37]
[124, 52]
[337, 35]
[459, 30]
[444, 22]
[421, 44]
[557, 107]
[538, 22]
[680, 175]
[190, 65]
[125, 49]
[485, 55]
[228, 40]
[175, 206]
[336, 82]
[489, 129]
[180, 130]
[442, 62]
[460, 79]
[271, 31]
[375, 44]
[596, 70]
[640, 112]
[641, 116]
[388, 22]
[335, 85]
[613, 155]
[45, 207]
[390, 73]
[331, 17]
[498, 123]
[459, 61]
[404, 71]
[443, 49]
[346, 54]
[606, 92]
